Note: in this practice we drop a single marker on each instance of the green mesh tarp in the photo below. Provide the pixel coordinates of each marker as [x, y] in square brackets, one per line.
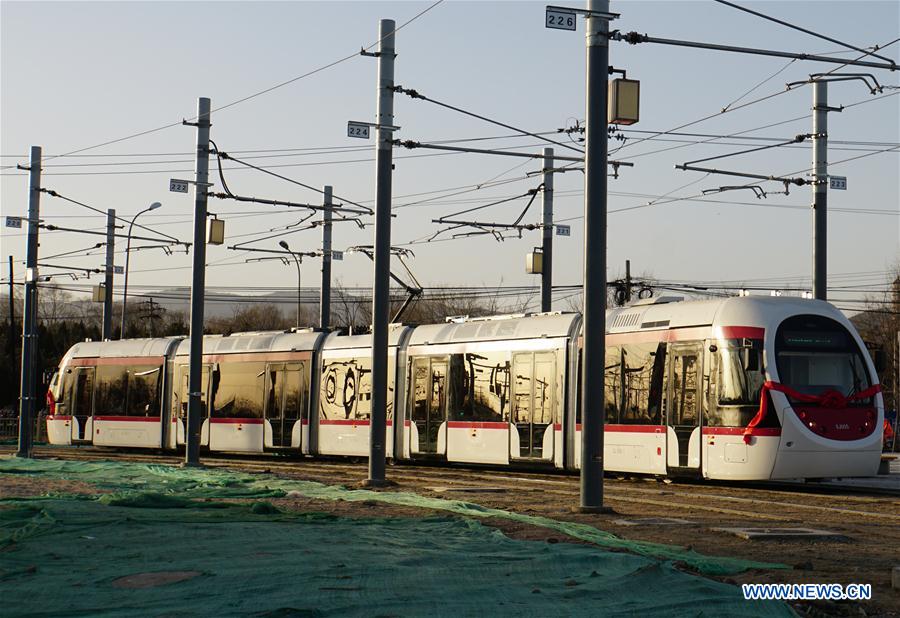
[66, 555]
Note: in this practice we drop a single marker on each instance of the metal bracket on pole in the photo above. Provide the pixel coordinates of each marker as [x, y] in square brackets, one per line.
[586, 12]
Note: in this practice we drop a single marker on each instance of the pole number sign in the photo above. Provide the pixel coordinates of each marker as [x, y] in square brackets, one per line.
[14, 222]
[837, 182]
[563, 230]
[357, 129]
[337, 256]
[178, 186]
[559, 19]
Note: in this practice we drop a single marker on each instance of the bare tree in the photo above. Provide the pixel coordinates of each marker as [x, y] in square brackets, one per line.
[253, 318]
[879, 326]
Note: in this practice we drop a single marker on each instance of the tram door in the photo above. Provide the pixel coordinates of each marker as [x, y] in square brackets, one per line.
[285, 401]
[204, 401]
[429, 403]
[534, 400]
[683, 405]
[82, 402]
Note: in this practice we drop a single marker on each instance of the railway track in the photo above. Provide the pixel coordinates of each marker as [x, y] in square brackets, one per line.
[779, 501]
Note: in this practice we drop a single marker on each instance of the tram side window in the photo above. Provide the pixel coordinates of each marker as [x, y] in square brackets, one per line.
[545, 388]
[486, 387]
[122, 390]
[143, 391]
[522, 382]
[633, 384]
[296, 387]
[346, 389]
[612, 383]
[642, 369]
[738, 381]
[458, 406]
[112, 389]
[237, 390]
[84, 389]
[65, 391]
[578, 390]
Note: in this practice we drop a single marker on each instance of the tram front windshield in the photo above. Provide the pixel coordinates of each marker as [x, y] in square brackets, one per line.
[815, 354]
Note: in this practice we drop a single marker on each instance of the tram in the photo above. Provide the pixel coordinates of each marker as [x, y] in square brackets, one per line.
[748, 388]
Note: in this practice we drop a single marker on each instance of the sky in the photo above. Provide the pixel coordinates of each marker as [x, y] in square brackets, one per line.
[77, 74]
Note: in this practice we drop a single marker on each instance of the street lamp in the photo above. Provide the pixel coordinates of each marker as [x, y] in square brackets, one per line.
[297, 259]
[152, 206]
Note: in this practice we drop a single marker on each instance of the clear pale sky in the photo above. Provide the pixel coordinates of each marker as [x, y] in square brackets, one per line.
[75, 74]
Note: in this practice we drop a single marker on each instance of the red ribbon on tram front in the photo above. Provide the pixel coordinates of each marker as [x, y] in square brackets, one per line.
[829, 399]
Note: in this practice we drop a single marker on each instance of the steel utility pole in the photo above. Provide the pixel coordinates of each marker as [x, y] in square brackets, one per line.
[627, 281]
[325, 291]
[108, 277]
[382, 251]
[201, 187]
[820, 190]
[12, 307]
[594, 328]
[547, 247]
[27, 400]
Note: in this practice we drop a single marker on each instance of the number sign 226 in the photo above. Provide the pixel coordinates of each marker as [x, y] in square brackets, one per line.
[560, 20]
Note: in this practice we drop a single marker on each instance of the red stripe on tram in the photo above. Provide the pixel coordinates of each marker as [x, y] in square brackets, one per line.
[742, 332]
[128, 419]
[739, 431]
[476, 425]
[342, 421]
[636, 428]
[236, 421]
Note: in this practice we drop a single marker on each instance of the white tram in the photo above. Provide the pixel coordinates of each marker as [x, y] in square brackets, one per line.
[741, 388]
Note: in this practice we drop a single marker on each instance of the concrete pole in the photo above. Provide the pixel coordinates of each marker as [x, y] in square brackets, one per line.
[382, 268]
[297, 260]
[627, 281]
[108, 277]
[594, 328]
[547, 259]
[28, 400]
[195, 404]
[325, 291]
[12, 307]
[820, 190]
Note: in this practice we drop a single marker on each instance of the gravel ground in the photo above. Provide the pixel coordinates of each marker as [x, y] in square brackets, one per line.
[870, 523]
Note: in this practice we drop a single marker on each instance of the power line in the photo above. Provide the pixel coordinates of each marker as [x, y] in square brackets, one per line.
[732, 109]
[144, 227]
[416, 95]
[249, 97]
[310, 150]
[804, 30]
[271, 166]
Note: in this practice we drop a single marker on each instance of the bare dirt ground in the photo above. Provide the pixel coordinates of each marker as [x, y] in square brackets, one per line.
[871, 524]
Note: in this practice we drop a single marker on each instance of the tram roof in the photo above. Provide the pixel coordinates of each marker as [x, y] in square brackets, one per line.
[496, 328]
[763, 311]
[336, 341]
[264, 341]
[122, 348]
